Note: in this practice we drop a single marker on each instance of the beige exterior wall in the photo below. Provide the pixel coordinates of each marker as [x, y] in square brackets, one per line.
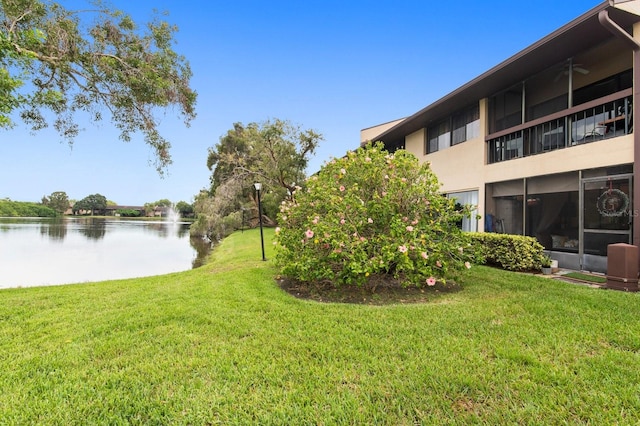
[463, 167]
[370, 133]
[460, 167]
[414, 143]
[608, 152]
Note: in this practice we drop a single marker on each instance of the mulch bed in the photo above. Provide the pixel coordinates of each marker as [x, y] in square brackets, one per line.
[378, 291]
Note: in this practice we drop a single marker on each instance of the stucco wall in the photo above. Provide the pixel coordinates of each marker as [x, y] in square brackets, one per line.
[370, 133]
[414, 143]
[463, 167]
[603, 153]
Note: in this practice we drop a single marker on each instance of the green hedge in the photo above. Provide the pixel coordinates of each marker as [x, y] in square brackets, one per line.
[510, 252]
[128, 212]
[10, 208]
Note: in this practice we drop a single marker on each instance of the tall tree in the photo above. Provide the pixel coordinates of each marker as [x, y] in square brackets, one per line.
[274, 153]
[149, 208]
[185, 209]
[94, 202]
[58, 200]
[52, 60]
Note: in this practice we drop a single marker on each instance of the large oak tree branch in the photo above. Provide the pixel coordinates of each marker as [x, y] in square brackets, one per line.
[109, 65]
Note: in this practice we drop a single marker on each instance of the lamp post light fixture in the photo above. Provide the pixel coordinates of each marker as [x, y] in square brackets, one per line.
[258, 187]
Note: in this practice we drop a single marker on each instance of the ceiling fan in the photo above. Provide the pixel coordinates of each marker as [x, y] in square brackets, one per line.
[579, 68]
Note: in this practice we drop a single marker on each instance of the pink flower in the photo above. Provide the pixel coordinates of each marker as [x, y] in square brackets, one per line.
[309, 233]
[384, 193]
[439, 264]
[315, 220]
[403, 179]
[402, 249]
[342, 188]
[342, 221]
[424, 255]
[368, 160]
[363, 239]
[467, 265]
[410, 228]
[370, 220]
[414, 222]
[343, 171]
[277, 229]
[431, 281]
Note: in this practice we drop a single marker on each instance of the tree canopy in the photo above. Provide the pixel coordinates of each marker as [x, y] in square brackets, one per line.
[91, 202]
[274, 153]
[58, 62]
[58, 200]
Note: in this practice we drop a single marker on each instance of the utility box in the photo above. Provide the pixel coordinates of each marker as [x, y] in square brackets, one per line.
[622, 267]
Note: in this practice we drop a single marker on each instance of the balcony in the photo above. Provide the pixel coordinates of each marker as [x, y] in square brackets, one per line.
[604, 118]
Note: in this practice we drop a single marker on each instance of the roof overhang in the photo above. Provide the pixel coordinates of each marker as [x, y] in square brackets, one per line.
[569, 40]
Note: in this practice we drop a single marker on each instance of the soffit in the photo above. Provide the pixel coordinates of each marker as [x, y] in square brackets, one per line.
[576, 36]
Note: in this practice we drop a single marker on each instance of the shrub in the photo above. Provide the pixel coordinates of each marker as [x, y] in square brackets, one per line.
[511, 252]
[372, 214]
[128, 212]
[10, 208]
[215, 227]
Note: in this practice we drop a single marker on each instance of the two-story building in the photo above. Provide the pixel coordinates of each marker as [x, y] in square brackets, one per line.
[544, 143]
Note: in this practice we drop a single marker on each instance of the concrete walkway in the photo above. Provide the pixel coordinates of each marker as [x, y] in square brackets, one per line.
[561, 274]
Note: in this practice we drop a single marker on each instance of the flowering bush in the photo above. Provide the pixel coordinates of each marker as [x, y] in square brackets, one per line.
[372, 214]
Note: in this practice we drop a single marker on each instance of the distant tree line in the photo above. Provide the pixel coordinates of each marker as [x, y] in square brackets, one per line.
[10, 208]
[58, 203]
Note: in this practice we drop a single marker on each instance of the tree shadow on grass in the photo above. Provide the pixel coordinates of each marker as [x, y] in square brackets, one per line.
[381, 290]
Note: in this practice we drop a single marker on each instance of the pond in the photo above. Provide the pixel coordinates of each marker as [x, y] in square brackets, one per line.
[39, 251]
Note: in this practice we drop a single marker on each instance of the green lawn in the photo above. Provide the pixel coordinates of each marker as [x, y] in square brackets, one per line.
[224, 345]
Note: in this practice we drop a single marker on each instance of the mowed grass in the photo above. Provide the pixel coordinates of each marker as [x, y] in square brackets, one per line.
[224, 345]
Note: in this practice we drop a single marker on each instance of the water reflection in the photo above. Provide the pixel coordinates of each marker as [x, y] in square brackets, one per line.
[203, 248]
[67, 250]
[55, 229]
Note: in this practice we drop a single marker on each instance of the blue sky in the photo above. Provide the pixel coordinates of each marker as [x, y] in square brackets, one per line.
[333, 66]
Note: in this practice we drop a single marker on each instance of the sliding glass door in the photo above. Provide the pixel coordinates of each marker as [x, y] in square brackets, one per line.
[605, 217]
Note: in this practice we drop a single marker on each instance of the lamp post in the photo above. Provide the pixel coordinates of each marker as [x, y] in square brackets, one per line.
[258, 187]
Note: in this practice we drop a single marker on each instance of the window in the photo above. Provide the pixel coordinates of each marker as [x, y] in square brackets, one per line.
[439, 136]
[460, 127]
[604, 87]
[466, 125]
[505, 109]
[469, 224]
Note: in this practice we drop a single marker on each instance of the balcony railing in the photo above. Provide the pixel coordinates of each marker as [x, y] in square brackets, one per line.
[604, 118]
